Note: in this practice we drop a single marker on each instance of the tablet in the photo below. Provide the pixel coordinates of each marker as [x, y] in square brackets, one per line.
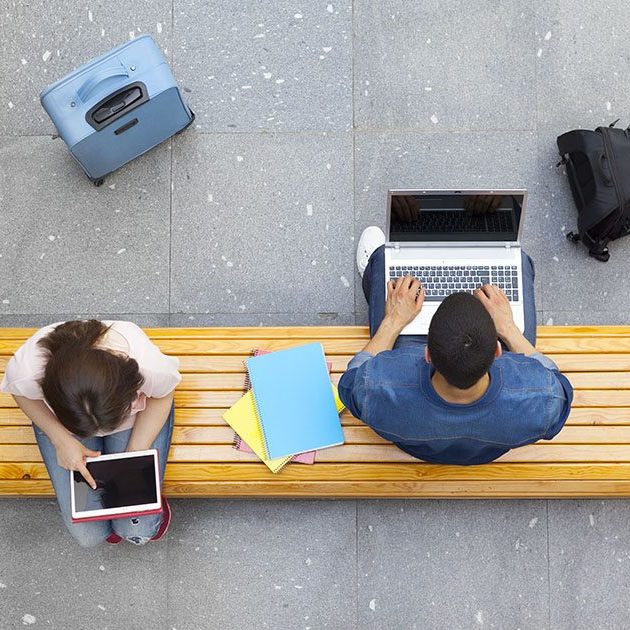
[127, 484]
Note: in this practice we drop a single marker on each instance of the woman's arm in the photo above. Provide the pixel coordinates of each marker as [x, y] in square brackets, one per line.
[71, 453]
[149, 423]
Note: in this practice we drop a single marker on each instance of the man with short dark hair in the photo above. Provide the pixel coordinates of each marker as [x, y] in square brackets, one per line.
[456, 396]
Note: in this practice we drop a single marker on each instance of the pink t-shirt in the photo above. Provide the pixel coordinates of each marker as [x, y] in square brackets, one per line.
[160, 372]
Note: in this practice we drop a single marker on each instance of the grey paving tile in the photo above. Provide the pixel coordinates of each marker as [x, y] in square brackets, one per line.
[262, 564]
[262, 319]
[437, 160]
[581, 65]
[49, 581]
[28, 320]
[589, 553]
[273, 64]
[67, 246]
[43, 43]
[453, 564]
[262, 223]
[431, 66]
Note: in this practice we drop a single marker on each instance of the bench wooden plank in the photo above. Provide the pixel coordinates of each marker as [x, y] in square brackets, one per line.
[445, 489]
[214, 417]
[243, 346]
[540, 452]
[245, 471]
[236, 381]
[357, 435]
[323, 332]
[225, 399]
[577, 362]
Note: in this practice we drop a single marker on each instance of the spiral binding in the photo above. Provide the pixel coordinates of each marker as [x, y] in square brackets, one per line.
[236, 441]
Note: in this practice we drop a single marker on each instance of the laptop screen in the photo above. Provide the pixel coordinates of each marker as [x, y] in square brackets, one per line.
[455, 216]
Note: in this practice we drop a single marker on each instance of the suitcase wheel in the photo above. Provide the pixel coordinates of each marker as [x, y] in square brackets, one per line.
[98, 182]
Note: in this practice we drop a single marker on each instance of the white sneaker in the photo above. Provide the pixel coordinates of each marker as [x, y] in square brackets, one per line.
[371, 239]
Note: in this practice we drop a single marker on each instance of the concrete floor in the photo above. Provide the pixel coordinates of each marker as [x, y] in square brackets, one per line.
[307, 112]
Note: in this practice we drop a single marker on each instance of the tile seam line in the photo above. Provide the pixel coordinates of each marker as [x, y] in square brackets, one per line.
[319, 132]
[356, 563]
[548, 571]
[171, 185]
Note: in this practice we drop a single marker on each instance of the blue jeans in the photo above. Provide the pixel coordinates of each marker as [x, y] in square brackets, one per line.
[374, 291]
[138, 530]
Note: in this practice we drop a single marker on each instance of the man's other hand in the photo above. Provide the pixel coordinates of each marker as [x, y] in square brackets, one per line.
[498, 305]
[405, 297]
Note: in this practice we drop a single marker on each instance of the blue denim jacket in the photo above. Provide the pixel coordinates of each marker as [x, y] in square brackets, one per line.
[528, 399]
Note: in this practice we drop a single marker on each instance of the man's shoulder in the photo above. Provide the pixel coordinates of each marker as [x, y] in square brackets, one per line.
[522, 372]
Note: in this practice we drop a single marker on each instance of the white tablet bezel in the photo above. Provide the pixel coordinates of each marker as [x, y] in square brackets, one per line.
[127, 510]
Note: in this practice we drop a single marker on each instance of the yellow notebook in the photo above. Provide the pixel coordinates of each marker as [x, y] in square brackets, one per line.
[242, 417]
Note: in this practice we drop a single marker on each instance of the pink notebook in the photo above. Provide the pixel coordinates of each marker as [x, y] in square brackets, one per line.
[240, 444]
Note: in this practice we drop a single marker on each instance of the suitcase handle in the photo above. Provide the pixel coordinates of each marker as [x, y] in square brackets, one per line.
[91, 84]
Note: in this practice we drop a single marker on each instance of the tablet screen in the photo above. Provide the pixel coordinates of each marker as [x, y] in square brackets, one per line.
[129, 481]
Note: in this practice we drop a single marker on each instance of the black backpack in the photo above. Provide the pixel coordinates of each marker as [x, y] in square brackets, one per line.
[598, 167]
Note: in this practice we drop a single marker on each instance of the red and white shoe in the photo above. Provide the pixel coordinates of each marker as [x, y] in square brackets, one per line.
[166, 520]
[113, 539]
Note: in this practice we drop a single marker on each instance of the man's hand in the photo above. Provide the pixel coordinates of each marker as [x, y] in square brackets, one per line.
[497, 304]
[405, 298]
[71, 455]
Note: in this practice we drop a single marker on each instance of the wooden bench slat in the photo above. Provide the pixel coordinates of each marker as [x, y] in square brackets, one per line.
[236, 381]
[225, 399]
[591, 362]
[298, 332]
[355, 435]
[235, 364]
[238, 346]
[214, 417]
[371, 489]
[226, 332]
[416, 471]
[541, 452]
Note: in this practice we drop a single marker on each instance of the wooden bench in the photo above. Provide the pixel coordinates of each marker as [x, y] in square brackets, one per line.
[589, 458]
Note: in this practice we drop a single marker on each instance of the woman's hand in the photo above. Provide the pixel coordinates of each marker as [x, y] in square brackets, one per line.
[71, 455]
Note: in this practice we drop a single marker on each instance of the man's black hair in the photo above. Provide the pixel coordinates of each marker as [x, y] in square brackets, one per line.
[462, 340]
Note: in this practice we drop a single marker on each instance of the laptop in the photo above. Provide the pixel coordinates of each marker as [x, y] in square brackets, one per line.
[453, 241]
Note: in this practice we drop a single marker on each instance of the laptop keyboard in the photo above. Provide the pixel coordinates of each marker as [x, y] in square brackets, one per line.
[456, 221]
[439, 282]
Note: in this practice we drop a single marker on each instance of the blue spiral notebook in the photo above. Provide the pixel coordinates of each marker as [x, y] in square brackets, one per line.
[294, 400]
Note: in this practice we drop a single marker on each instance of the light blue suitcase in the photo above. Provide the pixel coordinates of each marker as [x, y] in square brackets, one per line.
[117, 107]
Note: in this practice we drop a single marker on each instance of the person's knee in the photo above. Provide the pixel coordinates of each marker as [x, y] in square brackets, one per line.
[137, 530]
[378, 256]
[87, 534]
[527, 260]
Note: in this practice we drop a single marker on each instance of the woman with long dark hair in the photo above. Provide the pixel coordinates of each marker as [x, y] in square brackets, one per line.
[92, 388]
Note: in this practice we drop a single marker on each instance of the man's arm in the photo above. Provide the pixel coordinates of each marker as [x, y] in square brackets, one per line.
[497, 304]
[405, 297]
